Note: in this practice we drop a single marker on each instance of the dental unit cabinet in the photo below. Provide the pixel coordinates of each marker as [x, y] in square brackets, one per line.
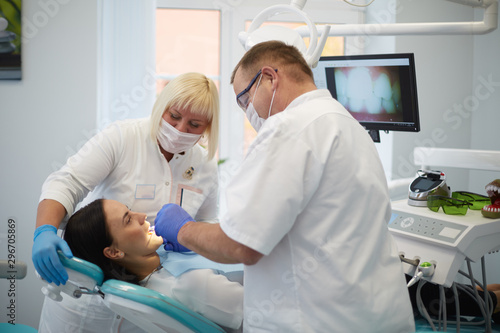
[446, 240]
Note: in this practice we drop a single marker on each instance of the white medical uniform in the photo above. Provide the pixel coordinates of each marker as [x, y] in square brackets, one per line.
[312, 197]
[123, 163]
[204, 291]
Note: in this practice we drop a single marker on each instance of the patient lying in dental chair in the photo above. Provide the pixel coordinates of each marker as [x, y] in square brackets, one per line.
[118, 240]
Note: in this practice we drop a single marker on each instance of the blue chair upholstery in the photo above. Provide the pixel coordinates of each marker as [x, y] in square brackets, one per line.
[155, 300]
[146, 308]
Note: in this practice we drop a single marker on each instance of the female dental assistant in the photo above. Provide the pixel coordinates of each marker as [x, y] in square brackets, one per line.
[142, 163]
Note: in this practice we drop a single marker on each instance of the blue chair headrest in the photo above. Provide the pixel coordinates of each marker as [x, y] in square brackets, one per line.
[83, 266]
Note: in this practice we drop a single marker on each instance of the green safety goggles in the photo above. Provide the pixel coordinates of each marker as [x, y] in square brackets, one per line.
[459, 202]
[478, 201]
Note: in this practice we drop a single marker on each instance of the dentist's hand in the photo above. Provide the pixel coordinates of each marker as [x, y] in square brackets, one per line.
[168, 222]
[44, 254]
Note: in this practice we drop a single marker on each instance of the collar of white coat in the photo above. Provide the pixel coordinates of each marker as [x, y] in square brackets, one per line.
[311, 95]
[314, 94]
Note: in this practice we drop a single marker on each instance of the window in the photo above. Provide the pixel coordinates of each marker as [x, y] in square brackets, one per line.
[187, 40]
[200, 35]
[203, 36]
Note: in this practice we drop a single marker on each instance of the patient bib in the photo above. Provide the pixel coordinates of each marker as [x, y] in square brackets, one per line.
[177, 263]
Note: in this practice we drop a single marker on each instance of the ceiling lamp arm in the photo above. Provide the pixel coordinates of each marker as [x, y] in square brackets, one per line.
[489, 23]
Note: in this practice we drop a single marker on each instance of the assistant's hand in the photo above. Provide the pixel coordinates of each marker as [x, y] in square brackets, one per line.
[44, 254]
[168, 222]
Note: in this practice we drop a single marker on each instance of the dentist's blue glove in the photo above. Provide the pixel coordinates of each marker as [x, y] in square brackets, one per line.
[168, 222]
[44, 254]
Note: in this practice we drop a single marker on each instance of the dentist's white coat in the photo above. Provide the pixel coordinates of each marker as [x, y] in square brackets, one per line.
[312, 197]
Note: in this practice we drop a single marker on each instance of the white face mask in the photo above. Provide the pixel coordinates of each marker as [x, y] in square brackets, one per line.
[255, 120]
[174, 141]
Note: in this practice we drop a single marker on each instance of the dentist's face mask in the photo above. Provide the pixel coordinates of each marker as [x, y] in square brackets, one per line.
[243, 101]
[255, 120]
[174, 141]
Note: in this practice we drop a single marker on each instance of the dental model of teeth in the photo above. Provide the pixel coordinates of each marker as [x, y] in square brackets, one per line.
[493, 210]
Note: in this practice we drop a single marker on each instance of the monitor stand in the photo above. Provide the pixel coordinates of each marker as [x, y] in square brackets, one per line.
[375, 135]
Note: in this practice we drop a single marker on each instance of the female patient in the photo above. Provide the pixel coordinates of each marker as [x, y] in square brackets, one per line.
[108, 234]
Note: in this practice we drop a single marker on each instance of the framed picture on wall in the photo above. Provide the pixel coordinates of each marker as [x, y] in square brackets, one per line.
[10, 39]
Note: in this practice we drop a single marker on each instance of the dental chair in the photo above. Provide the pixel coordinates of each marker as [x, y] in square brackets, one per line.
[146, 308]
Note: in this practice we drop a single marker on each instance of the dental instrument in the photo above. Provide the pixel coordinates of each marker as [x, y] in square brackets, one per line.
[428, 182]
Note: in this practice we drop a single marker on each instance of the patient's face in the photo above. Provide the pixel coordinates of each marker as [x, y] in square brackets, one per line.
[130, 230]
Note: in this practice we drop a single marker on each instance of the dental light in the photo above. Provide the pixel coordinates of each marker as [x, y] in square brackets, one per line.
[257, 34]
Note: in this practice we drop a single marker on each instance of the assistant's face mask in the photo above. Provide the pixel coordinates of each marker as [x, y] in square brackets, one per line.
[255, 120]
[173, 140]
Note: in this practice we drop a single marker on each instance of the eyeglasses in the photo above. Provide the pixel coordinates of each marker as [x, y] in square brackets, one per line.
[459, 202]
[243, 98]
[451, 206]
[478, 201]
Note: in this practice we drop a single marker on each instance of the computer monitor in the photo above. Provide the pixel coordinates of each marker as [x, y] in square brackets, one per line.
[379, 90]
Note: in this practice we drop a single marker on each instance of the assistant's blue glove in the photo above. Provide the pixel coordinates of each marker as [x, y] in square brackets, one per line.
[44, 254]
[168, 222]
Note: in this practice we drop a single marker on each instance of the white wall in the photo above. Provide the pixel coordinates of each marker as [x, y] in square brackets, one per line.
[43, 119]
[382, 12]
[444, 78]
[485, 116]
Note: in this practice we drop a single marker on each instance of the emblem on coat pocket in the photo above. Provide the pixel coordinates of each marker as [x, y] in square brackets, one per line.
[188, 174]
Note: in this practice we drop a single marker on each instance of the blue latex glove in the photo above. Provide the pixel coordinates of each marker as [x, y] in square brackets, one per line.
[44, 254]
[175, 247]
[168, 222]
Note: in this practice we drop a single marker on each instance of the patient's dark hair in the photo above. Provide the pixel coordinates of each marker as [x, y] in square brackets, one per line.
[87, 235]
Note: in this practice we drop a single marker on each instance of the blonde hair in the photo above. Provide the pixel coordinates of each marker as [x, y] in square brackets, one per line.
[192, 91]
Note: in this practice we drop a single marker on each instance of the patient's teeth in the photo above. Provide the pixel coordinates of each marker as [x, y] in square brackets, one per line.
[382, 87]
[374, 104]
[359, 83]
[396, 92]
[356, 104]
[389, 105]
[340, 80]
